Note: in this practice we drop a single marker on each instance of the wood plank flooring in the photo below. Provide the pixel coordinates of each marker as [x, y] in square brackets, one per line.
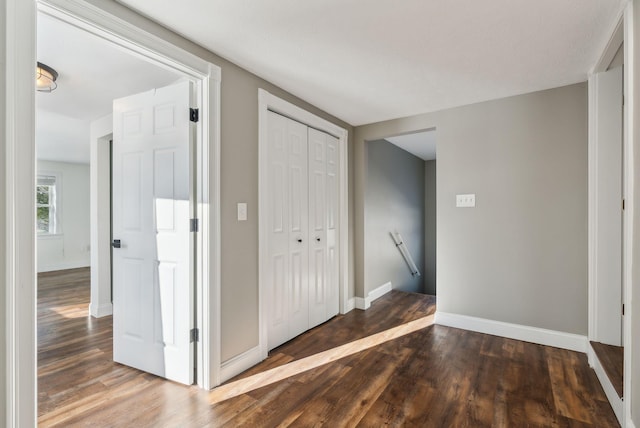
[612, 361]
[435, 377]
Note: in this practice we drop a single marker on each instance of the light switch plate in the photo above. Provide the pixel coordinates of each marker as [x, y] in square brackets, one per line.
[466, 201]
[242, 211]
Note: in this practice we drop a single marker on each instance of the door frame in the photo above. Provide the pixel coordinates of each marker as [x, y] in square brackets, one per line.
[621, 33]
[269, 102]
[20, 32]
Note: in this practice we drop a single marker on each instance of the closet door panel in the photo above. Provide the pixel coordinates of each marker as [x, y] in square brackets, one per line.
[333, 239]
[278, 240]
[318, 226]
[302, 290]
[298, 292]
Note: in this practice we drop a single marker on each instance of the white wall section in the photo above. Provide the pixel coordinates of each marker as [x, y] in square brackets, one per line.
[71, 248]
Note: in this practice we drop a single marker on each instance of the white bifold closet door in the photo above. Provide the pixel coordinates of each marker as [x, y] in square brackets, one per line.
[302, 288]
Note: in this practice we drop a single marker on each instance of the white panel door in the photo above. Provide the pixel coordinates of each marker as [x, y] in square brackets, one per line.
[317, 227]
[332, 236]
[609, 207]
[287, 220]
[152, 268]
[323, 213]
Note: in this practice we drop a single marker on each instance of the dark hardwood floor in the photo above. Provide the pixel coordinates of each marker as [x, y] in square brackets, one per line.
[612, 361]
[395, 309]
[434, 377]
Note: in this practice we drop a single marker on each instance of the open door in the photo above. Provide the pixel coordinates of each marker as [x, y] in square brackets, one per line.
[153, 292]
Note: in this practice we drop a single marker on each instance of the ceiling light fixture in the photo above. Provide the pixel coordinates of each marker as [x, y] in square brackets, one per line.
[46, 78]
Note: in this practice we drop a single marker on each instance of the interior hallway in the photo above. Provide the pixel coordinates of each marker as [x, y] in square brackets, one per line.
[437, 376]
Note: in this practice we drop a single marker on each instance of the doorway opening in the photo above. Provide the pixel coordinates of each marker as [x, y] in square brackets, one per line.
[609, 224]
[400, 213]
[74, 130]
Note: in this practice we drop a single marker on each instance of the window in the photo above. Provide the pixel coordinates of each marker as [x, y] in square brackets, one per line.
[47, 195]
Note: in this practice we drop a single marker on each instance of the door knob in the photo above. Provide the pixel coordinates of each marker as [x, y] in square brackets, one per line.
[116, 243]
[299, 239]
[318, 238]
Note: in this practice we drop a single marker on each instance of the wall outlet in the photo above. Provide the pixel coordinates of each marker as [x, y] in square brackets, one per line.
[242, 211]
[466, 201]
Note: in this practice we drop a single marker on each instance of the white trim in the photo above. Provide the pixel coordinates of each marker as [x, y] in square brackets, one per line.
[616, 402]
[269, 102]
[99, 311]
[541, 336]
[132, 38]
[64, 266]
[20, 234]
[351, 305]
[613, 44]
[365, 303]
[592, 272]
[240, 363]
[629, 179]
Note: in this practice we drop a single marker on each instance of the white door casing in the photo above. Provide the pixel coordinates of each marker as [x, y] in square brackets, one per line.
[608, 206]
[153, 296]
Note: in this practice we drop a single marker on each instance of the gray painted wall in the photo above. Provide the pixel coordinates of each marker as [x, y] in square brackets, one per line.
[520, 256]
[394, 202]
[635, 293]
[239, 183]
[3, 224]
[430, 206]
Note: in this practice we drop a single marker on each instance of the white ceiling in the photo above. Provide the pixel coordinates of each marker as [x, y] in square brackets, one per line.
[92, 73]
[368, 61]
[421, 144]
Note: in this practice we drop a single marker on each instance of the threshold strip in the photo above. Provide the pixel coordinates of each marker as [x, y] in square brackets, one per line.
[293, 368]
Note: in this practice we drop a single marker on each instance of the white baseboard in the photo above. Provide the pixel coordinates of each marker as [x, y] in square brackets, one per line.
[63, 266]
[616, 402]
[365, 303]
[240, 363]
[541, 336]
[99, 311]
[351, 305]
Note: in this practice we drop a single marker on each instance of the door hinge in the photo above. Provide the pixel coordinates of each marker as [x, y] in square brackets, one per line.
[194, 335]
[623, 309]
[623, 205]
[194, 225]
[194, 114]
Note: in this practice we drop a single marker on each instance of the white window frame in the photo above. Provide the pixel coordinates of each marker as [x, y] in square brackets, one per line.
[55, 204]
